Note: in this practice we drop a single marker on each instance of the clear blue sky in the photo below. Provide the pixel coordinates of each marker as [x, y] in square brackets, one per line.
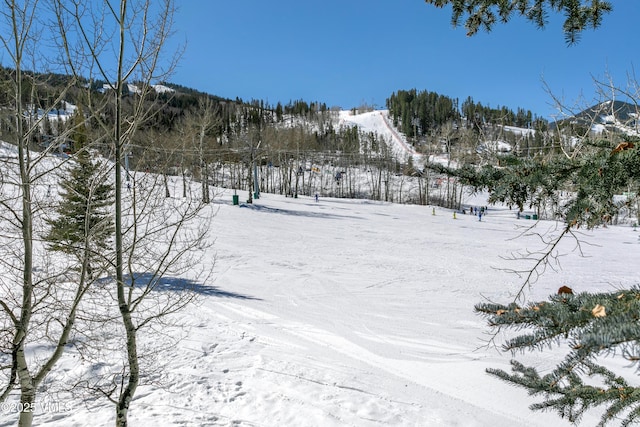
[346, 52]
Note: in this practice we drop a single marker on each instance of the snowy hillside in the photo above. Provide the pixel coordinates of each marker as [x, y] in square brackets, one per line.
[348, 313]
[618, 116]
[379, 123]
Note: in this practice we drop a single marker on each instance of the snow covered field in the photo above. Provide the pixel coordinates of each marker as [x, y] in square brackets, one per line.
[352, 313]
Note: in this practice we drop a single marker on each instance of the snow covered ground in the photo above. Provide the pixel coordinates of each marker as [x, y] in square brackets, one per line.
[352, 313]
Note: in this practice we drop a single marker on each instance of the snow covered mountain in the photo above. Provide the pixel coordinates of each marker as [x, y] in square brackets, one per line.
[618, 116]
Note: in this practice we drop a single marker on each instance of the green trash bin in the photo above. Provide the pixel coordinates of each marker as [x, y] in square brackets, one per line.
[535, 217]
[527, 216]
[236, 200]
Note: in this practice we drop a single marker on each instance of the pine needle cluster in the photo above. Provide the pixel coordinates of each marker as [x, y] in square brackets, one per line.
[590, 326]
[484, 14]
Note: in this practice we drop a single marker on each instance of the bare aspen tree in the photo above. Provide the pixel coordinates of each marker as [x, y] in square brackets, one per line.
[160, 152]
[252, 144]
[198, 127]
[155, 236]
[38, 302]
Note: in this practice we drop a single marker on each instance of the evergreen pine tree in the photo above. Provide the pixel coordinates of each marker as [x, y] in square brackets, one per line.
[83, 223]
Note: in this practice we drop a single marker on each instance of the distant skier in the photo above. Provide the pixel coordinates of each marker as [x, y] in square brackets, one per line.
[480, 215]
[316, 197]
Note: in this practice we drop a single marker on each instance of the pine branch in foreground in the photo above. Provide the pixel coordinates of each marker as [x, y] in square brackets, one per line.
[589, 326]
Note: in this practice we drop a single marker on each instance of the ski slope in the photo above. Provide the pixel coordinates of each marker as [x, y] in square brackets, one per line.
[350, 313]
[378, 122]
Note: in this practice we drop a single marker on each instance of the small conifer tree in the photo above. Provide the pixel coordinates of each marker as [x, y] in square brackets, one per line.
[84, 221]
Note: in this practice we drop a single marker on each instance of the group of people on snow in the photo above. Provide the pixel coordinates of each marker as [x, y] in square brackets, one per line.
[476, 211]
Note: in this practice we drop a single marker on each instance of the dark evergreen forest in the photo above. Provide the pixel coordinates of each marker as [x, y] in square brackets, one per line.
[419, 113]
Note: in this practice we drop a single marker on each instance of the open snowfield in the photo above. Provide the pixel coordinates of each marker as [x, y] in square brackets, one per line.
[352, 313]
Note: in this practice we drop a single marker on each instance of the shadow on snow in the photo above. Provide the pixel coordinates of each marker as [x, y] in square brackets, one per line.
[179, 284]
[261, 208]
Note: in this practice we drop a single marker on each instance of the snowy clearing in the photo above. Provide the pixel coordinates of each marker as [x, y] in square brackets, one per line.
[350, 313]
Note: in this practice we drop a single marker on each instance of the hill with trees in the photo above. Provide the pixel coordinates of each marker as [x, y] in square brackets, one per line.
[287, 142]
